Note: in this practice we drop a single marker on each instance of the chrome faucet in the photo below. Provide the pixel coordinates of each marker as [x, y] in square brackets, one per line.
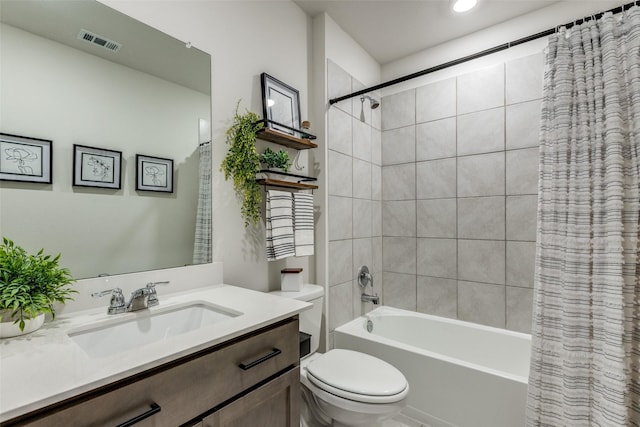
[375, 299]
[365, 278]
[140, 298]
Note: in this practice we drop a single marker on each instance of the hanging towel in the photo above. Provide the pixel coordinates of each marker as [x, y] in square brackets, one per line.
[279, 225]
[303, 223]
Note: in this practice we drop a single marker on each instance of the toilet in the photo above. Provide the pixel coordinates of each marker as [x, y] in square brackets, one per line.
[343, 387]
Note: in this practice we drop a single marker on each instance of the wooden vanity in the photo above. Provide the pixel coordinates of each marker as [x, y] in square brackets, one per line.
[252, 380]
[216, 377]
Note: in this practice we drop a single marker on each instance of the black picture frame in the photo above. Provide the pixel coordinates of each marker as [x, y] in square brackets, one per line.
[26, 159]
[97, 167]
[154, 174]
[280, 105]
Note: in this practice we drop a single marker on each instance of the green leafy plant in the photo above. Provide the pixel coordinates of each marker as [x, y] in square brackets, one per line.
[275, 159]
[30, 284]
[242, 162]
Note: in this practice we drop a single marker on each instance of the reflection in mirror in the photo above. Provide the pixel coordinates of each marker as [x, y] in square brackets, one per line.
[78, 72]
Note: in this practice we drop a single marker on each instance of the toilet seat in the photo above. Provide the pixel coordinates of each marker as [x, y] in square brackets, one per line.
[357, 376]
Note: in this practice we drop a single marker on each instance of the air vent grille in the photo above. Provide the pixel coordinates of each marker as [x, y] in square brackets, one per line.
[98, 40]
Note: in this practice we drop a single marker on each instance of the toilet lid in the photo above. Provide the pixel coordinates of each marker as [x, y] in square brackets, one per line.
[356, 374]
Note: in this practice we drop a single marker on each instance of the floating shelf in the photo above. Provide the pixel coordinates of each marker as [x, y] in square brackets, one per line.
[301, 178]
[284, 139]
[286, 184]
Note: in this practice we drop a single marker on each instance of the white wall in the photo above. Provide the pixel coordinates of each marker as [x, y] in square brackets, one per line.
[244, 38]
[349, 55]
[522, 26]
[318, 157]
[96, 230]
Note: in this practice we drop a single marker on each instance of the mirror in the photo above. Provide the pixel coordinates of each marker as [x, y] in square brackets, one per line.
[77, 72]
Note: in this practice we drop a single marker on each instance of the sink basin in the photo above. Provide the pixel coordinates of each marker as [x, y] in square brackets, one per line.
[146, 327]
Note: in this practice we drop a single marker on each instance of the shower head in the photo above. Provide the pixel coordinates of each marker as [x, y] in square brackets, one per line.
[373, 102]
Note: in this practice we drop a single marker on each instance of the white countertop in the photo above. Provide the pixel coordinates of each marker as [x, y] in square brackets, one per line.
[46, 366]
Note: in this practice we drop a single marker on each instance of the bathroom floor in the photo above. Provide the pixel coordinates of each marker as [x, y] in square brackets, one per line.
[403, 421]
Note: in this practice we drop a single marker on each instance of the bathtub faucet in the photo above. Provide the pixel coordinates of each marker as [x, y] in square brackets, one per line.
[365, 278]
[375, 299]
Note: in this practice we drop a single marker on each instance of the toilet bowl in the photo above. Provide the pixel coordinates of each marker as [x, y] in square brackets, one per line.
[347, 388]
[343, 387]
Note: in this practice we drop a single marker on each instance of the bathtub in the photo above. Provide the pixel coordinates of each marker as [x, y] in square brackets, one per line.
[460, 374]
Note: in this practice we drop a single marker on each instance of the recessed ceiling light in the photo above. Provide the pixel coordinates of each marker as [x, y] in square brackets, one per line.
[461, 6]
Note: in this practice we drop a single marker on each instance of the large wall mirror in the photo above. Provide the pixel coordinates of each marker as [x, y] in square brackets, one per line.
[79, 73]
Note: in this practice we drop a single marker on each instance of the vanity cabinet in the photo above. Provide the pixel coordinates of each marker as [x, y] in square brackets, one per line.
[272, 404]
[251, 380]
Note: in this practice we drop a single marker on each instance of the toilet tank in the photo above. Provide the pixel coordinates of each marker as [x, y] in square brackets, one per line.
[310, 320]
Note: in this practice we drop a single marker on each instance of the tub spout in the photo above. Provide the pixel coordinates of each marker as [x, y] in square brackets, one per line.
[375, 299]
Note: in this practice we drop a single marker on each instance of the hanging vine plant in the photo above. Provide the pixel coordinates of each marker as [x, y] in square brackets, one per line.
[242, 162]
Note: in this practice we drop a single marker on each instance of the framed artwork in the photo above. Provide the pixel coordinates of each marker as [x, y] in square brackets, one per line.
[25, 159]
[280, 105]
[96, 167]
[154, 174]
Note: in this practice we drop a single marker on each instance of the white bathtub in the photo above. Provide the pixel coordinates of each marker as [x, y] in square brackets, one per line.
[460, 374]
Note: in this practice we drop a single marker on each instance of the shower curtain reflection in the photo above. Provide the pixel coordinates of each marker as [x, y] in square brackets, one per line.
[202, 243]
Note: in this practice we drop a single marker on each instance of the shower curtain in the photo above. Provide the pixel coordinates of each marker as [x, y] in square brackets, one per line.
[585, 362]
[202, 243]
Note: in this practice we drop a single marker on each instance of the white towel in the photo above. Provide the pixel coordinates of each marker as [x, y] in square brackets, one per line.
[279, 225]
[303, 223]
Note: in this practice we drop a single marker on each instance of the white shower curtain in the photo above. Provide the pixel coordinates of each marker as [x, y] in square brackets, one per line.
[585, 363]
[202, 243]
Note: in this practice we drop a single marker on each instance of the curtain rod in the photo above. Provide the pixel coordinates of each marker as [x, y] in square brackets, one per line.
[486, 52]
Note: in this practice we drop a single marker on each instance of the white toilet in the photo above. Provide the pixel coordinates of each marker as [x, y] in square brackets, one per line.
[343, 387]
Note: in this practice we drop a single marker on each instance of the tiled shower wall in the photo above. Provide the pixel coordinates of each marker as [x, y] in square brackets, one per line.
[354, 180]
[459, 195]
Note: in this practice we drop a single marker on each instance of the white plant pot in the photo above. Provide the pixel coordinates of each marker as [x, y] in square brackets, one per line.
[10, 329]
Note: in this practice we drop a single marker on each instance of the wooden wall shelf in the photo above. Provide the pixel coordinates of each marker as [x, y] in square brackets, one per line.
[290, 141]
[286, 184]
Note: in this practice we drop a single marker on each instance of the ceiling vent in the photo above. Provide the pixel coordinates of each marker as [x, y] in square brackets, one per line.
[103, 42]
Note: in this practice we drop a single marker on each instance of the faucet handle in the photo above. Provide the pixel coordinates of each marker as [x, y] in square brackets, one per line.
[364, 277]
[152, 285]
[153, 296]
[117, 304]
[100, 294]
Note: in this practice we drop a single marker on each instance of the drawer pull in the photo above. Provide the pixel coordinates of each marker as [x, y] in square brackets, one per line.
[155, 408]
[249, 365]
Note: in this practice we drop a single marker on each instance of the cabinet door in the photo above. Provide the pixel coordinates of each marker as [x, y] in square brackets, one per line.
[275, 404]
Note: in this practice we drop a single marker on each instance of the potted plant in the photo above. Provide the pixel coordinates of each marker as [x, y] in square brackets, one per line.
[29, 287]
[276, 160]
[242, 162]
